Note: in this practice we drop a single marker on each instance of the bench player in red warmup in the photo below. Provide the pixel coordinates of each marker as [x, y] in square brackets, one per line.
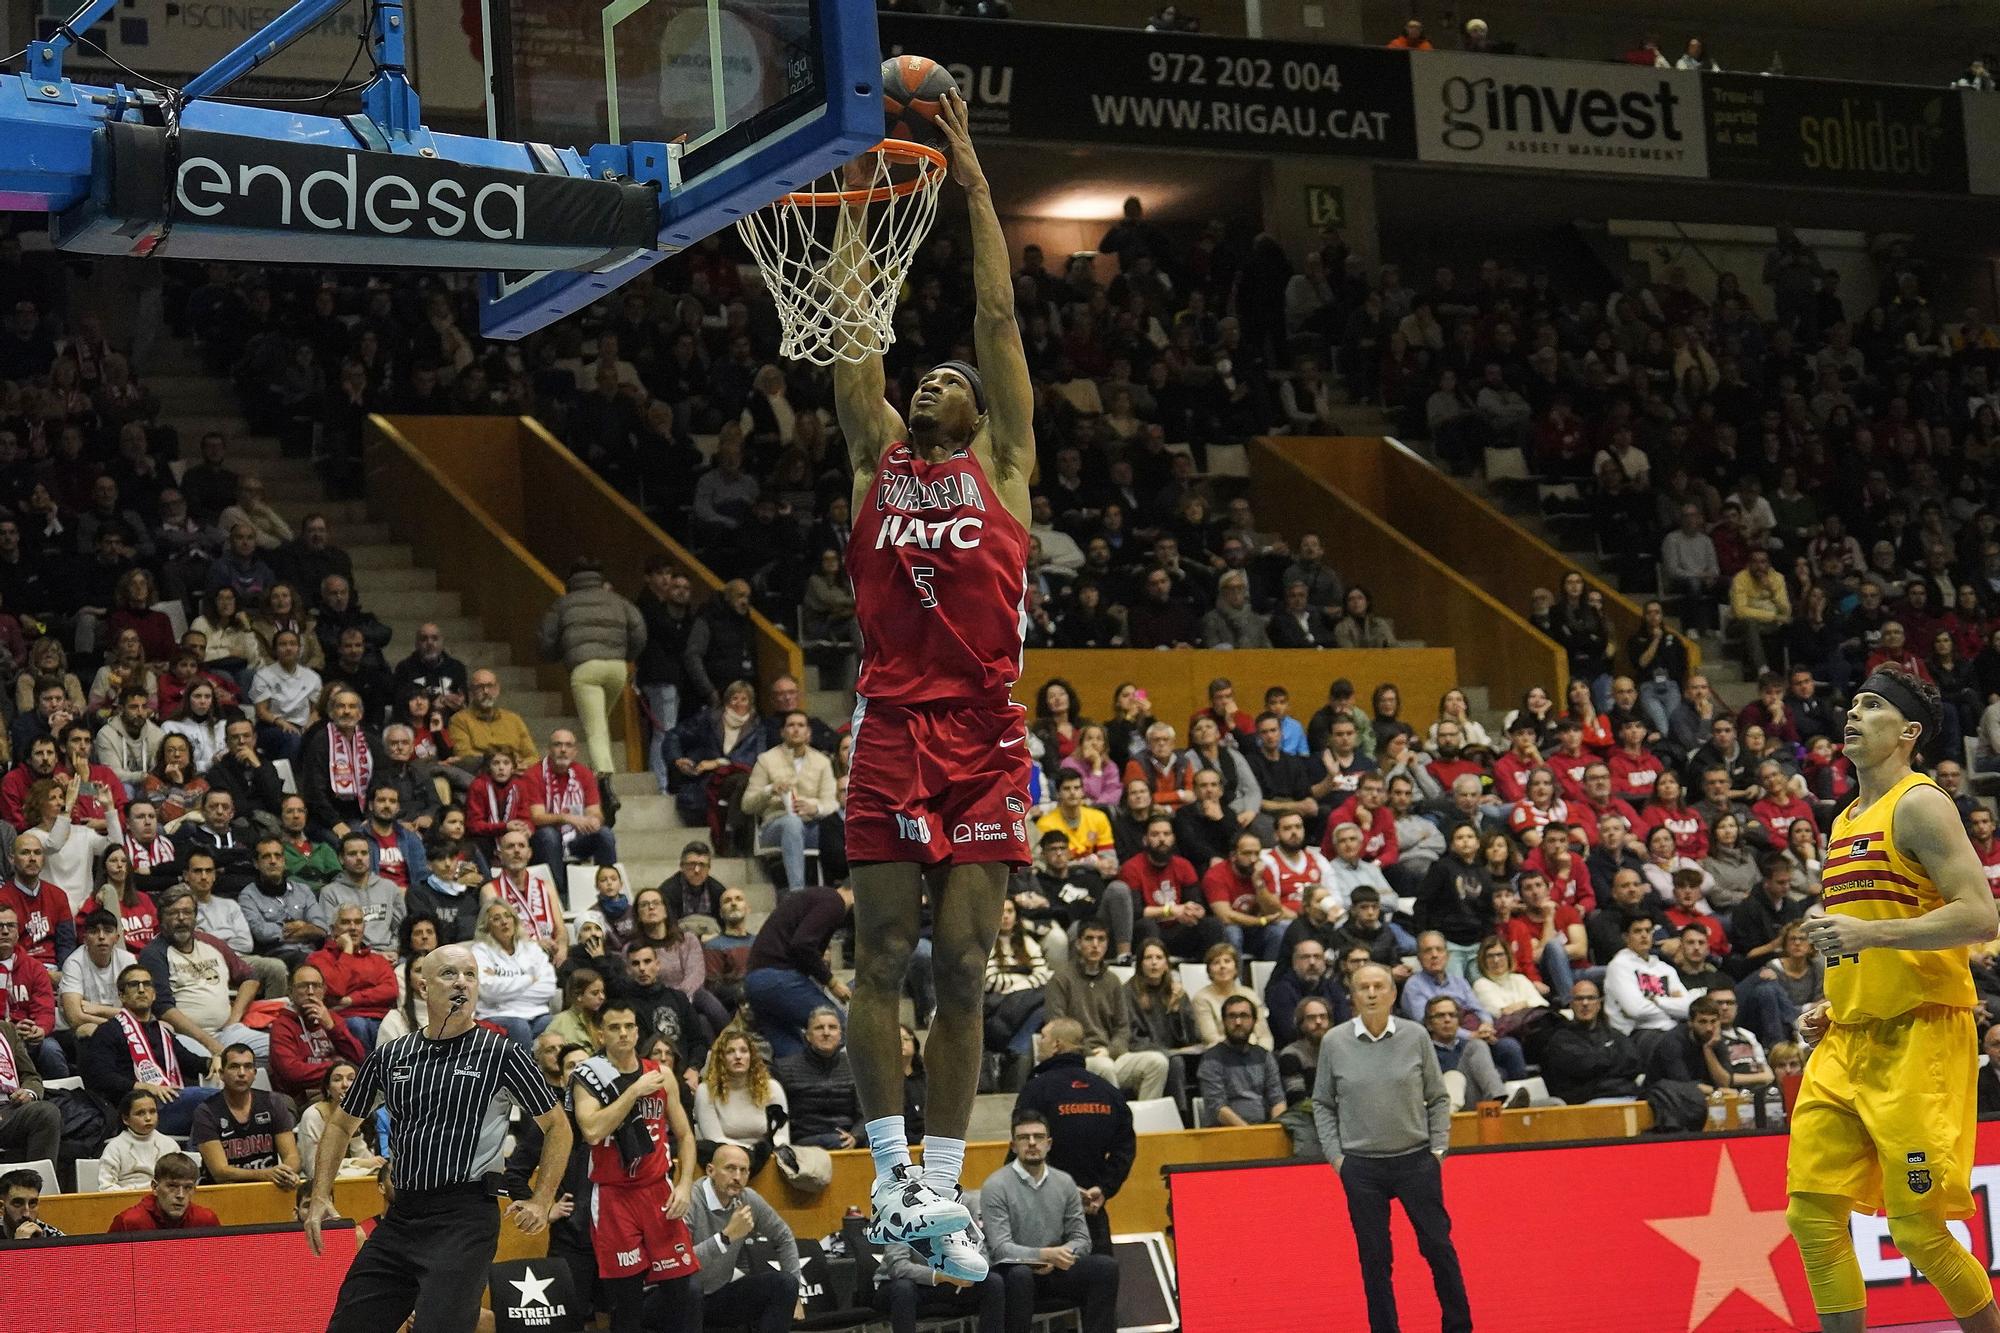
[938, 793]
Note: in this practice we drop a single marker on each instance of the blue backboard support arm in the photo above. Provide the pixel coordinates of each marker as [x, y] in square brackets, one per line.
[53, 159]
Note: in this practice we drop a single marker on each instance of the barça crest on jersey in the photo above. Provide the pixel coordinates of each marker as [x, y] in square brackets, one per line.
[1920, 1181]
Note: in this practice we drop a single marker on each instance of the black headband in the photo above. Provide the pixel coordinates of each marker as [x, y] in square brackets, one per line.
[1907, 702]
[972, 380]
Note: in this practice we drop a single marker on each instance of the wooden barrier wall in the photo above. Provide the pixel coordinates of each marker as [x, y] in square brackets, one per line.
[1140, 1206]
[1425, 597]
[1178, 681]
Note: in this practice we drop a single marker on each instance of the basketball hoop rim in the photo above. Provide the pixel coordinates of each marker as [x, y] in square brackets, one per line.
[932, 163]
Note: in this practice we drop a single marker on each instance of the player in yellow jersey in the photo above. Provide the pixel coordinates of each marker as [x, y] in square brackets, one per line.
[1885, 1117]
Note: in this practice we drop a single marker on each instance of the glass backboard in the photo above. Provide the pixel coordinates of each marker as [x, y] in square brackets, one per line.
[717, 75]
[759, 95]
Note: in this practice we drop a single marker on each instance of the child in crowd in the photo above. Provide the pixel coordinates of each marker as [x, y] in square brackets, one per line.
[128, 1160]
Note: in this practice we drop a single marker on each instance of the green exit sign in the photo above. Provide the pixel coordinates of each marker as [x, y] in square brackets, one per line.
[1326, 206]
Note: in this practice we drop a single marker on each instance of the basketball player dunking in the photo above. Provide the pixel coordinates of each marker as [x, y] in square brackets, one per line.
[938, 792]
[1885, 1118]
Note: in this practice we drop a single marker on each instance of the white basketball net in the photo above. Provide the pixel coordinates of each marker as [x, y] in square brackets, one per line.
[836, 294]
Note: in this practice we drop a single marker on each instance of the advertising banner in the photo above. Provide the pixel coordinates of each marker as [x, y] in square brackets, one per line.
[130, 1278]
[1557, 115]
[1118, 86]
[1683, 1236]
[1870, 136]
[1982, 142]
[173, 39]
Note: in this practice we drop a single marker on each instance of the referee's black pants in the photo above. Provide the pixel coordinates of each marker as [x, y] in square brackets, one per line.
[431, 1253]
[1417, 1179]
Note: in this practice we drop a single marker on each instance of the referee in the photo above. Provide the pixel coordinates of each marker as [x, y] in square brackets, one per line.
[432, 1249]
[1384, 1119]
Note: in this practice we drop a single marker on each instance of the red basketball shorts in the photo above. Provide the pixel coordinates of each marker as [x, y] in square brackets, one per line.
[632, 1234]
[937, 783]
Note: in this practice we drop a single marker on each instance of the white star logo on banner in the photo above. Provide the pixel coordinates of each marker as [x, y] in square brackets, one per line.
[533, 1290]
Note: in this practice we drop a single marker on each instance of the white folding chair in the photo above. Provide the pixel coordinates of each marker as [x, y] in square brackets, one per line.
[1454, 1084]
[1156, 1115]
[176, 615]
[87, 1174]
[286, 782]
[70, 1084]
[1193, 977]
[44, 1168]
[1261, 973]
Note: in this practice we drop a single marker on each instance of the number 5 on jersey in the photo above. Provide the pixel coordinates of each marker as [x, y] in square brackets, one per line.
[921, 575]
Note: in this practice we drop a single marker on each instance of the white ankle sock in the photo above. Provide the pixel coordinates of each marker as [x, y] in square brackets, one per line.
[943, 1160]
[888, 1144]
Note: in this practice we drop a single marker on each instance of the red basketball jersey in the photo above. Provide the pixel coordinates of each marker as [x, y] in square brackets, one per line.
[607, 1158]
[940, 584]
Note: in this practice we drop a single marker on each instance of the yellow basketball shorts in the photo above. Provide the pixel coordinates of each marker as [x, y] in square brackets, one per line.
[1887, 1116]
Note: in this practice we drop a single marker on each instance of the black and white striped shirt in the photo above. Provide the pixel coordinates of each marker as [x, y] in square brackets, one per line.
[448, 1103]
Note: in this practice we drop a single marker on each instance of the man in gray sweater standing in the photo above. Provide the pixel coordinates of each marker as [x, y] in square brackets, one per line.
[597, 634]
[1036, 1235]
[739, 1289]
[1384, 1119]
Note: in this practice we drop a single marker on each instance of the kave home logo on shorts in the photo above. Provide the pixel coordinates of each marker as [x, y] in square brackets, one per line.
[1557, 115]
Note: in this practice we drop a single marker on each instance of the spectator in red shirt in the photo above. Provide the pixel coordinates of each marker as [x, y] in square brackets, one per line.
[1512, 770]
[1569, 878]
[1368, 809]
[1770, 712]
[27, 1000]
[360, 983]
[48, 929]
[308, 1039]
[1451, 760]
[1598, 803]
[1635, 770]
[1230, 886]
[1168, 772]
[171, 1205]
[1411, 38]
[1570, 760]
[1779, 805]
[1669, 810]
[1222, 707]
[1522, 937]
[1170, 896]
[1559, 927]
[1689, 909]
[1980, 824]
[1540, 807]
[1895, 649]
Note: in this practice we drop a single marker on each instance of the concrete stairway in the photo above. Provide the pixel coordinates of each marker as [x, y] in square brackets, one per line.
[404, 595]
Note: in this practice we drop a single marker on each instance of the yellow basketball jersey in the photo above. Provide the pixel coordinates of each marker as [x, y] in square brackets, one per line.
[1866, 876]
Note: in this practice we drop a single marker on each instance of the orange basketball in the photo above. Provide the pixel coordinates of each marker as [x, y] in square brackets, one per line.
[913, 90]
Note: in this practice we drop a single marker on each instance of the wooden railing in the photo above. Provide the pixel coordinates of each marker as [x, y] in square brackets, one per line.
[556, 509]
[456, 522]
[1294, 488]
[1463, 529]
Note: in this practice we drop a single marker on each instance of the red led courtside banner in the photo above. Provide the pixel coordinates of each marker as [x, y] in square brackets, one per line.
[260, 1280]
[1678, 1236]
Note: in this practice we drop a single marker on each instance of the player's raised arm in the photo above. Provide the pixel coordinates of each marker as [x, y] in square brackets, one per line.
[1003, 364]
[867, 422]
[1928, 831]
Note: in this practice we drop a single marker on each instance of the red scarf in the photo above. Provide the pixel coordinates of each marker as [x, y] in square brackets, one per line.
[566, 799]
[349, 765]
[165, 1071]
[496, 812]
[532, 904]
[10, 1076]
[147, 857]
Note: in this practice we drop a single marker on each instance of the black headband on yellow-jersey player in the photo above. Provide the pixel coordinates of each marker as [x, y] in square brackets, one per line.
[1907, 702]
